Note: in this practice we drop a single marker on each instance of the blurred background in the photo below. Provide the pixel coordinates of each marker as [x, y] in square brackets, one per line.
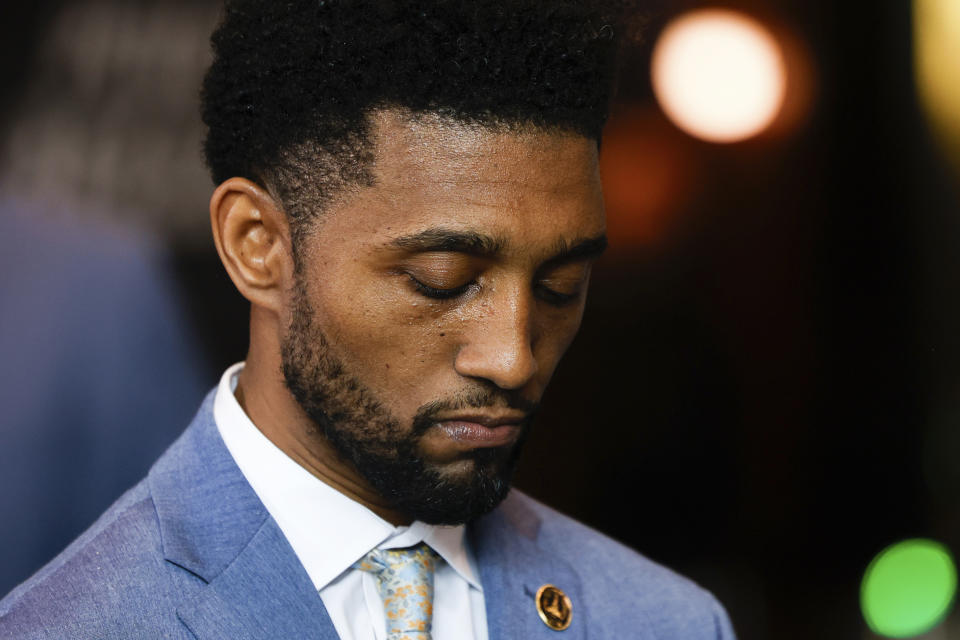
[765, 393]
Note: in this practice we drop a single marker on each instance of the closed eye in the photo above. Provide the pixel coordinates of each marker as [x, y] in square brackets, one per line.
[562, 284]
[439, 294]
[553, 297]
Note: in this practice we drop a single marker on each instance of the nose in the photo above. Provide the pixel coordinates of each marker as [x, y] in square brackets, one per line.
[499, 346]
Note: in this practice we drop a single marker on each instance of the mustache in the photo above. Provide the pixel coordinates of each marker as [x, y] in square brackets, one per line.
[427, 414]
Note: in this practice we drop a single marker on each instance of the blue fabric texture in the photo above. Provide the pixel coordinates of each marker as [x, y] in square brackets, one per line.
[190, 552]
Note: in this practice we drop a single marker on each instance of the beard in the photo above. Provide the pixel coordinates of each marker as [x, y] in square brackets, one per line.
[365, 434]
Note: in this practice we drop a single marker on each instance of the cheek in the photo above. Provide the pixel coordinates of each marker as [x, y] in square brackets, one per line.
[396, 348]
[555, 334]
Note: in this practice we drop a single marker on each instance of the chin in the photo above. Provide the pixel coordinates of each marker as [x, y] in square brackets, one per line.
[457, 493]
[461, 471]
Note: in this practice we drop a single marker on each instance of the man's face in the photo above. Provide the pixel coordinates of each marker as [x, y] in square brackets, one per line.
[432, 308]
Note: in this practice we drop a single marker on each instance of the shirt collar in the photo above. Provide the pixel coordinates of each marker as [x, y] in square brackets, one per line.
[327, 530]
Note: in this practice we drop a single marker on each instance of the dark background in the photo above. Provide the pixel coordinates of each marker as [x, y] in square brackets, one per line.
[764, 391]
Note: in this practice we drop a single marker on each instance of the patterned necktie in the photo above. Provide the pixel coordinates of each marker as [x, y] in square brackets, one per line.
[405, 582]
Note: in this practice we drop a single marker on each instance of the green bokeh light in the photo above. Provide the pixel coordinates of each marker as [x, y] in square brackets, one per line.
[908, 588]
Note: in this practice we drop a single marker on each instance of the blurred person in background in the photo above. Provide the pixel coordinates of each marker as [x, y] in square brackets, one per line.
[98, 367]
[409, 199]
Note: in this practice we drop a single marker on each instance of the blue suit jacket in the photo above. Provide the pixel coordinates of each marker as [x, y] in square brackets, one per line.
[191, 552]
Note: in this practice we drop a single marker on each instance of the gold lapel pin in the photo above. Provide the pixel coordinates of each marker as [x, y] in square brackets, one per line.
[554, 607]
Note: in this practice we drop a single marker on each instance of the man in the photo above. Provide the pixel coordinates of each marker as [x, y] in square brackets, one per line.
[409, 198]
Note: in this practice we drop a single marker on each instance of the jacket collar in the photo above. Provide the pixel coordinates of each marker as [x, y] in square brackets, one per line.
[213, 525]
[206, 509]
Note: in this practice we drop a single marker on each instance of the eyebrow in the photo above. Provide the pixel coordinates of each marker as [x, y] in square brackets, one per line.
[586, 249]
[440, 239]
[480, 244]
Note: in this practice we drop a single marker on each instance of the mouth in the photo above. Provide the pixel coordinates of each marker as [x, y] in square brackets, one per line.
[480, 430]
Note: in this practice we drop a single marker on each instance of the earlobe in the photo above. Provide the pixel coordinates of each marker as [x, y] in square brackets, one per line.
[252, 237]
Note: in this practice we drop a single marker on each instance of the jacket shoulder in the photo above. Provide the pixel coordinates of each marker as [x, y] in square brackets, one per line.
[616, 579]
[112, 582]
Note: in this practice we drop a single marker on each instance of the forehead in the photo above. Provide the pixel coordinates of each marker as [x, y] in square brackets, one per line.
[526, 187]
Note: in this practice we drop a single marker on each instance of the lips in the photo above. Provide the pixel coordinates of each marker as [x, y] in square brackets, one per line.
[482, 431]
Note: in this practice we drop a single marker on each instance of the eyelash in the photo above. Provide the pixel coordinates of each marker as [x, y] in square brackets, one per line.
[556, 298]
[439, 294]
[548, 295]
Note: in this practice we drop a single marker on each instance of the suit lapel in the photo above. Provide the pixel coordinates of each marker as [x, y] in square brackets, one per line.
[264, 593]
[512, 569]
[213, 525]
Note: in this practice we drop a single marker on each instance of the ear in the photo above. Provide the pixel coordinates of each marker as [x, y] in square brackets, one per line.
[253, 239]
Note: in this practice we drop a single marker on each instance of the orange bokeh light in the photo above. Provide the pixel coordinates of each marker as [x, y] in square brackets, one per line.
[647, 168]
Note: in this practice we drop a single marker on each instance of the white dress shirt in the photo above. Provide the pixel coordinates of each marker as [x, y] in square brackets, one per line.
[329, 532]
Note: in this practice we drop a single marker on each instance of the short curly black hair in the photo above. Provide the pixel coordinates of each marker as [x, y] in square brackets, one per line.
[288, 97]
